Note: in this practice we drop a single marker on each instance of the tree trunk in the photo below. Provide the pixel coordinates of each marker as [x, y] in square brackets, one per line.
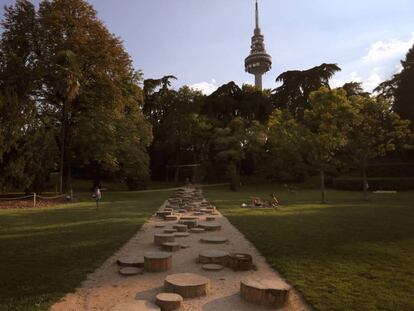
[63, 146]
[322, 171]
[364, 178]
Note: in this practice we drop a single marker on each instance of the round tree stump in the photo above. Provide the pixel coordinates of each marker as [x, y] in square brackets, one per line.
[189, 218]
[162, 214]
[181, 234]
[189, 223]
[138, 305]
[170, 217]
[213, 256]
[188, 285]
[160, 238]
[212, 267]
[197, 230]
[270, 293]
[157, 261]
[170, 230]
[180, 228]
[130, 271]
[171, 246]
[168, 301]
[214, 239]
[240, 262]
[210, 226]
[131, 261]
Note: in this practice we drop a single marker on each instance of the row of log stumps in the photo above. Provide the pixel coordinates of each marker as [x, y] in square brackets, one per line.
[187, 207]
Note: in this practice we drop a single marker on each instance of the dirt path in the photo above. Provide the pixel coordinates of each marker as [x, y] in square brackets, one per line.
[105, 288]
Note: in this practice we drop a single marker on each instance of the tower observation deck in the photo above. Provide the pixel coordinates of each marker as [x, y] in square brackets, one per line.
[258, 62]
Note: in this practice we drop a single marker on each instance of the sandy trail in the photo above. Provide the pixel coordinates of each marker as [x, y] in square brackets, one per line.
[105, 288]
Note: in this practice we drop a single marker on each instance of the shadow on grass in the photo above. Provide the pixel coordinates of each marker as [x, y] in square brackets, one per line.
[46, 253]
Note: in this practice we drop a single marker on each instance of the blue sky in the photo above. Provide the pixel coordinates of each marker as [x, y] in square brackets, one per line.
[204, 42]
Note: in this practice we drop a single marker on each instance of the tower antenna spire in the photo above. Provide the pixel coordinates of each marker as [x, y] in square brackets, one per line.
[257, 15]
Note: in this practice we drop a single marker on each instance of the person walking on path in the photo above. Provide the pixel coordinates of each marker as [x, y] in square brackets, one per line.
[98, 196]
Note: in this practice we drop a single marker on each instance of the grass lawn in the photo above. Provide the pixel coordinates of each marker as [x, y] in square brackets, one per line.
[345, 255]
[46, 253]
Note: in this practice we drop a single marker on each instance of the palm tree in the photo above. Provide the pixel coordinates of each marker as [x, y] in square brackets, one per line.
[67, 89]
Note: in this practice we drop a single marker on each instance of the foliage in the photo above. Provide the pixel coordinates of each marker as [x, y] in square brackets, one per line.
[329, 120]
[399, 88]
[376, 131]
[297, 85]
[287, 147]
[79, 84]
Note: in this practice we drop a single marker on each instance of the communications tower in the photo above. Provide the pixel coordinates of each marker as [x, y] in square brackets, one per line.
[258, 62]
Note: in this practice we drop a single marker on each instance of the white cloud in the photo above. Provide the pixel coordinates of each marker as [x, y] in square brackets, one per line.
[205, 87]
[392, 48]
[369, 81]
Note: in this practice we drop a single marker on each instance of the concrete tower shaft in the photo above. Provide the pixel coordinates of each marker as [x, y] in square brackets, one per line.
[258, 62]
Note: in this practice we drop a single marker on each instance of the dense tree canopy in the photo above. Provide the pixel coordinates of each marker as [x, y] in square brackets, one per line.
[75, 81]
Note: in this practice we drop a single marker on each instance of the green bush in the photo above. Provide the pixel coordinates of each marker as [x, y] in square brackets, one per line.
[403, 183]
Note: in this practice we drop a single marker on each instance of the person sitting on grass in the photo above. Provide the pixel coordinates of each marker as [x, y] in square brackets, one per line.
[274, 201]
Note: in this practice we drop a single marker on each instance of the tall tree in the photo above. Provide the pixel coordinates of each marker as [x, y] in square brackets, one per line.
[376, 131]
[329, 119]
[399, 89]
[297, 85]
[76, 79]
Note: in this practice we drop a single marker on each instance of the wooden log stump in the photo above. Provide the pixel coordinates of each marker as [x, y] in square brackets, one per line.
[157, 261]
[131, 261]
[213, 256]
[171, 246]
[210, 226]
[170, 231]
[197, 230]
[168, 301]
[160, 238]
[272, 293]
[129, 271]
[189, 218]
[162, 214]
[240, 262]
[187, 285]
[171, 217]
[138, 305]
[214, 239]
[181, 234]
[212, 267]
[189, 223]
[180, 227]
